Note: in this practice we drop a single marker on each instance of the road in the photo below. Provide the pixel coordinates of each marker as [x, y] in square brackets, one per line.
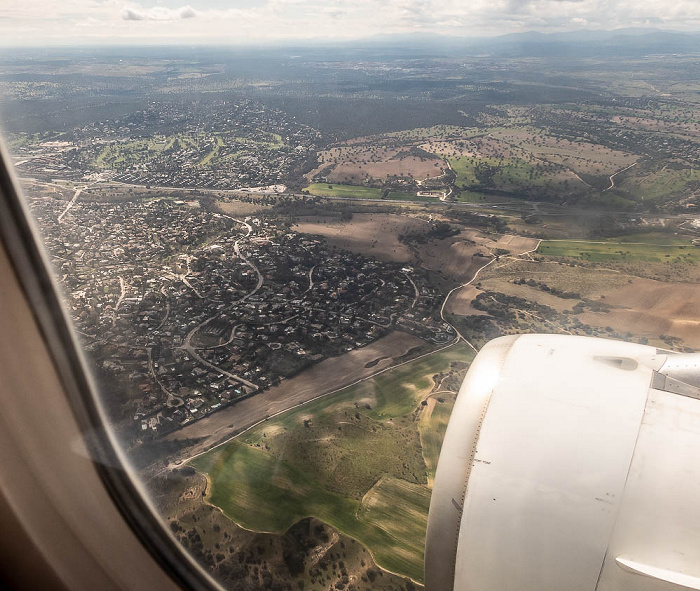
[172, 401]
[183, 276]
[72, 201]
[240, 255]
[479, 270]
[415, 288]
[311, 278]
[612, 176]
[187, 345]
[167, 308]
[122, 285]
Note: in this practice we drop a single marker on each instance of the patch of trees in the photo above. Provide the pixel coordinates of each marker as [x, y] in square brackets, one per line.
[484, 173]
[437, 231]
[479, 220]
[541, 285]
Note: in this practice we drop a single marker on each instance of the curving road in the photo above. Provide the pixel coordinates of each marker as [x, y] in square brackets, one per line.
[187, 345]
[479, 270]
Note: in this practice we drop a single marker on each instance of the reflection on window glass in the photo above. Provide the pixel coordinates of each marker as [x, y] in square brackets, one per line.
[281, 262]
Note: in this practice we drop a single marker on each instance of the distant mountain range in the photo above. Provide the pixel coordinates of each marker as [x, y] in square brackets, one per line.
[582, 43]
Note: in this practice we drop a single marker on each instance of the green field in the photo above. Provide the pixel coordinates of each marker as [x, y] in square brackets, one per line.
[264, 494]
[512, 171]
[466, 196]
[218, 143]
[348, 191]
[400, 509]
[662, 184]
[651, 250]
[353, 460]
[432, 427]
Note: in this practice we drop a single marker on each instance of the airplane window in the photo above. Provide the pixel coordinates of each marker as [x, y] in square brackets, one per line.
[282, 256]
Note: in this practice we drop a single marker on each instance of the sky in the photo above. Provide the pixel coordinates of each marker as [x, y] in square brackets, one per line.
[77, 22]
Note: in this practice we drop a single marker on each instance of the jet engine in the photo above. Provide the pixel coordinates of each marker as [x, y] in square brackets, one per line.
[569, 464]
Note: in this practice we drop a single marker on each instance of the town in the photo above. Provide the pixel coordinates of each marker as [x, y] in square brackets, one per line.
[189, 310]
[220, 144]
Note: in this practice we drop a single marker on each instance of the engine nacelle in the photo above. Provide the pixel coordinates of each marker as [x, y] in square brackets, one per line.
[569, 463]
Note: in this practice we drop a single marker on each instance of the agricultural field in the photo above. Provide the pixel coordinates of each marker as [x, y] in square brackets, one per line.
[345, 460]
[674, 251]
[365, 163]
[235, 207]
[329, 375]
[460, 302]
[384, 236]
[311, 554]
[651, 308]
[432, 426]
[368, 234]
[609, 297]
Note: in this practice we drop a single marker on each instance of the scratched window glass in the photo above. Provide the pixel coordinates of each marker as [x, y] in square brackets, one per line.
[281, 260]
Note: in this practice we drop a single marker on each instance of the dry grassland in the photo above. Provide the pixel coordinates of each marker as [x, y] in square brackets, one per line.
[651, 308]
[356, 164]
[241, 208]
[580, 156]
[482, 146]
[690, 129]
[460, 302]
[368, 234]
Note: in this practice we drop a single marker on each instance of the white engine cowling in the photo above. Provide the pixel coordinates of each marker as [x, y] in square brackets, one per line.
[570, 463]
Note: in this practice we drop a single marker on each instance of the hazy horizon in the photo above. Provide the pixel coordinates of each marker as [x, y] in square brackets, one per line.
[37, 23]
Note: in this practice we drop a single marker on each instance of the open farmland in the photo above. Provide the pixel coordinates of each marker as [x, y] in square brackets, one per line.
[460, 302]
[390, 497]
[361, 163]
[651, 308]
[608, 251]
[262, 494]
[603, 297]
[310, 554]
[368, 234]
[432, 425]
[277, 473]
[458, 257]
[461, 256]
[324, 377]
[241, 208]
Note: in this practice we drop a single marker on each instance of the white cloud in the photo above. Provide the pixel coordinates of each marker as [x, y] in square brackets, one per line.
[157, 13]
[202, 21]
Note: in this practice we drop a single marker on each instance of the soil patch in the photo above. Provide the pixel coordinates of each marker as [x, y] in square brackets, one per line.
[460, 302]
[651, 308]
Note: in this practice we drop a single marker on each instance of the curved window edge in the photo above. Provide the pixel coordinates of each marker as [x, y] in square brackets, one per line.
[21, 240]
